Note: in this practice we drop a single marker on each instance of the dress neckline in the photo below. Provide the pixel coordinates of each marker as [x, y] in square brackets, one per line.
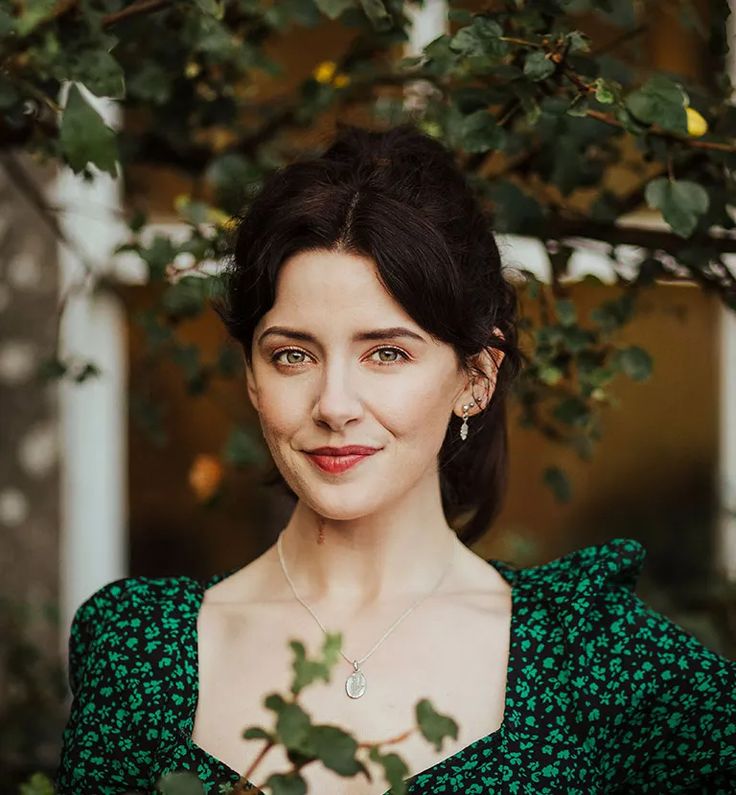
[510, 573]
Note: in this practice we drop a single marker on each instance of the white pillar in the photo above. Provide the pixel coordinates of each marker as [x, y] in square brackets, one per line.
[726, 529]
[427, 23]
[92, 414]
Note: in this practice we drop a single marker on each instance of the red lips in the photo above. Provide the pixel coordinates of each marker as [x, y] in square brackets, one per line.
[352, 449]
[341, 461]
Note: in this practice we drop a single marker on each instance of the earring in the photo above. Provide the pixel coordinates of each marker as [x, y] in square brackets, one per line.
[321, 537]
[464, 426]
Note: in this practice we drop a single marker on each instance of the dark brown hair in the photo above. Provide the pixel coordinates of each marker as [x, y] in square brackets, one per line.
[398, 197]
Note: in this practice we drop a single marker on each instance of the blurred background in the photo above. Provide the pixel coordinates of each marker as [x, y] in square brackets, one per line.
[137, 470]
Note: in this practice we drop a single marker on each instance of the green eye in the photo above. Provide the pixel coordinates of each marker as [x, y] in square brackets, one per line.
[401, 356]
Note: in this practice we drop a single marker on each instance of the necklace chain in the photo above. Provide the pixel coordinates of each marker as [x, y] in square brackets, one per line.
[355, 664]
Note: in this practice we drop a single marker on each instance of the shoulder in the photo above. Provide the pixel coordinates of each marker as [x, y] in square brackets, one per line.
[616, 561]
[613, 639]
[115, 599]
[587, 577]
[128, 614]
[591, 592]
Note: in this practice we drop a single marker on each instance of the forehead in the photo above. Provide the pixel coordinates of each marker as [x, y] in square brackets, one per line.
[326, 286]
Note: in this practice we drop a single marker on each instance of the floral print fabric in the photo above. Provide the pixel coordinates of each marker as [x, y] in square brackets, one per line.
[604, 694]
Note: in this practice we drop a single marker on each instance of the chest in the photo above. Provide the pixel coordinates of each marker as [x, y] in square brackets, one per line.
[453, 653]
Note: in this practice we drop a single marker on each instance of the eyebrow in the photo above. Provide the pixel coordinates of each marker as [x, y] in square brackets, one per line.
[391, 333]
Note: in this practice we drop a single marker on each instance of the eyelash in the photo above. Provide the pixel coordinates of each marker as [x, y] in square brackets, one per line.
[278, 353]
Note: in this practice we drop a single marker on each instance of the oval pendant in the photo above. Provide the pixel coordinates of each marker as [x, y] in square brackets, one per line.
[355, 684]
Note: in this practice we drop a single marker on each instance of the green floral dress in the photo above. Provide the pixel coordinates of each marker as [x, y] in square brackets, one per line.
[604, 695]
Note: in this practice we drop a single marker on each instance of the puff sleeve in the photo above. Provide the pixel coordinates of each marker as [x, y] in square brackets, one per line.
[657, 707]
[110, 739]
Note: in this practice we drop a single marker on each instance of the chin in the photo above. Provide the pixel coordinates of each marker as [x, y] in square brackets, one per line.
[346, 507]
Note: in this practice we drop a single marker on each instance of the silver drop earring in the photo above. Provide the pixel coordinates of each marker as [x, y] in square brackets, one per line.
[464, 426]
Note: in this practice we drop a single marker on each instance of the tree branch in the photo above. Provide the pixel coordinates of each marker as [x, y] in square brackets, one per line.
[557, 227]
[133, 10]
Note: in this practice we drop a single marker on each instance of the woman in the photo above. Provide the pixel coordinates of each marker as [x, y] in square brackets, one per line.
[367, 292]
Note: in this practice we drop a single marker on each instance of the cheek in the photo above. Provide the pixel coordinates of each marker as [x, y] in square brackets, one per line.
[278, 415]
[419, 418]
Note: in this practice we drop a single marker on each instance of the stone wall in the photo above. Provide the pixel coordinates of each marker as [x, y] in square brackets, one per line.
[31, 699]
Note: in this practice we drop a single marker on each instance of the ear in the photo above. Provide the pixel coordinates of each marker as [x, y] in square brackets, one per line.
[487, 361]
[251, 384]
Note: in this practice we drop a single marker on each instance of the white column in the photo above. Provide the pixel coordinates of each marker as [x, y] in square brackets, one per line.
[726, 529]
[427, 23]
[92, 414]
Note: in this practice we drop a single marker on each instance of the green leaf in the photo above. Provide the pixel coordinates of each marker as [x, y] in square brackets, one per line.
[88, 370]
[461, 15]
[257, 733]
[537, 67]
[479, 39]
[159, 254]
[331, 646]
[50, 368]
[577, 42]
[292, 728]
[336, 749]
[579, 105]
[550, 375]
[621, 12]
[242, 448]
[434, 726]
[99, 72]
[213, 8]
[613, 314]
[394, 769]
[149, 82]
[149, 417]
[376, 12]
[180, 783]
[479, 132]
[332, 9]
[7, 23]
[84, 136]
[37, 784]
[572, 411]
[196, 376]
[660, 101]
[515, 211]
[565, 311]
[185, 298]
[229, 361]
[681, 202]
[275, 702]
[635, 362]
[557, 480]
[440, 57]
[307, 671]
[9, 95]
[526, 94]
[287, 783]
[607, 91]
[32, 15]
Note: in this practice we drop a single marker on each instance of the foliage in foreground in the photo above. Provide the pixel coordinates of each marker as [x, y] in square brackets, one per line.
[544, 121]
[304, 742]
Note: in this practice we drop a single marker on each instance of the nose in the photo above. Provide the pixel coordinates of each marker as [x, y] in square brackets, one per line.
[337, 402]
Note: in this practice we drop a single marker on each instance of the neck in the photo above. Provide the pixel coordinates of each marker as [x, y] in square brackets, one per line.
[366, 561]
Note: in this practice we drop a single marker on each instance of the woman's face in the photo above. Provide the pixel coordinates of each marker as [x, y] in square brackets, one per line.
[335, 389]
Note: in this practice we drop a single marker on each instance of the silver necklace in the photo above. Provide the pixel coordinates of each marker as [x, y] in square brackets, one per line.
[356, 683]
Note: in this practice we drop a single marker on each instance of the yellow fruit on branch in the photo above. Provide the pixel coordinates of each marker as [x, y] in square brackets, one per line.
[325, 71]
[696, 124]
